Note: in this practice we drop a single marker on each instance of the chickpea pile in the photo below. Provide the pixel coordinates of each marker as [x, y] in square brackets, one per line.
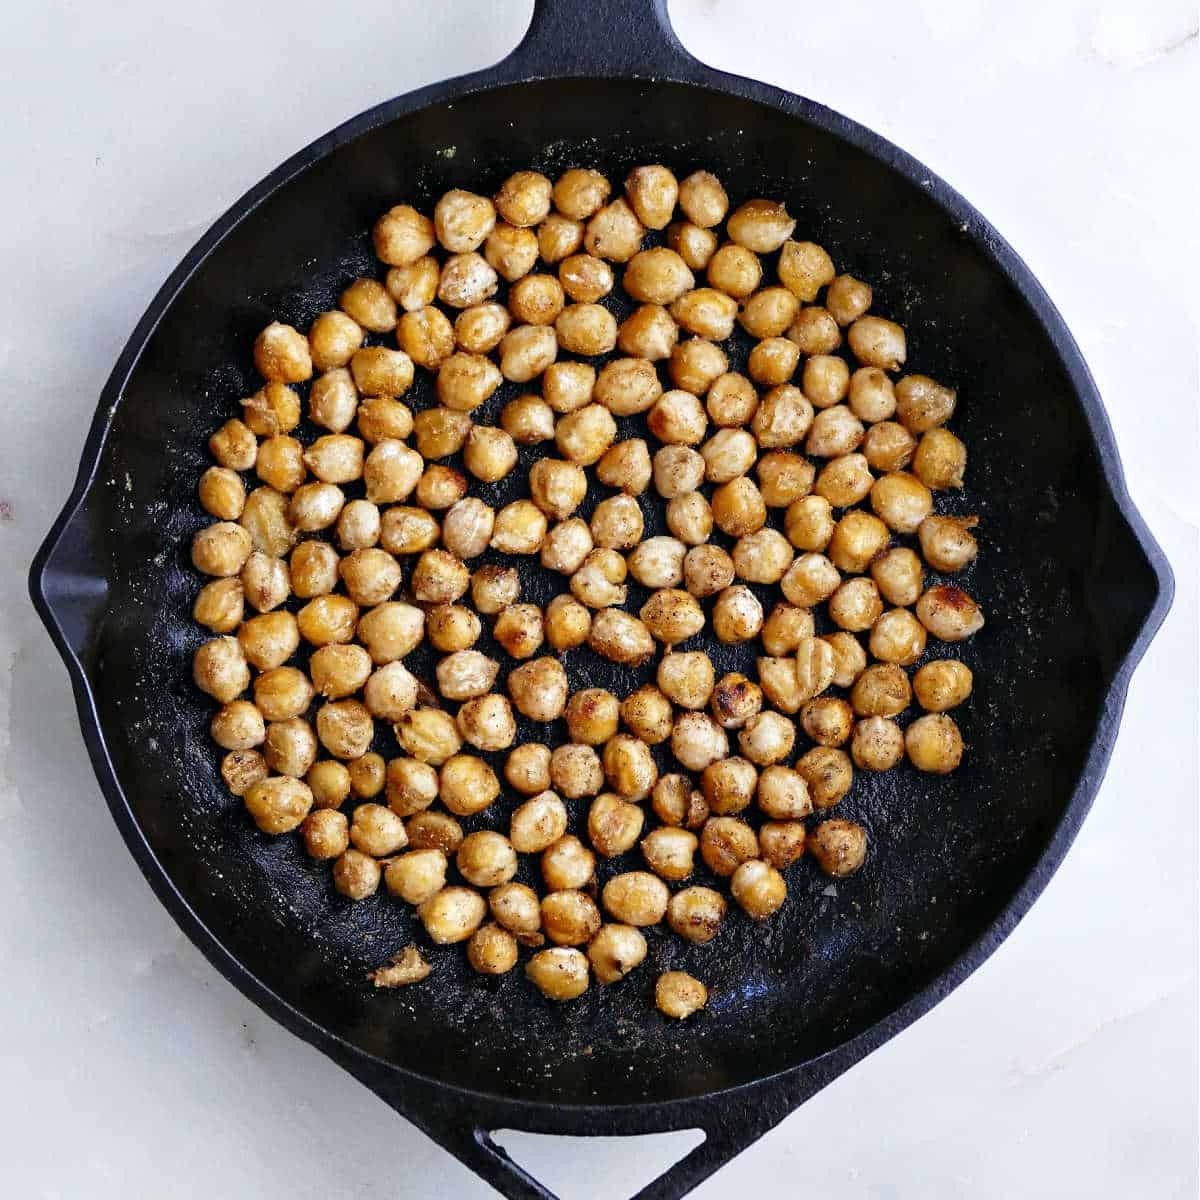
[798, 497]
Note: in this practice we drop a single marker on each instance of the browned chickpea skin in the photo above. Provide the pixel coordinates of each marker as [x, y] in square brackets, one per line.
[877, 744]
[815, 331]
[627, 386]
[828, 721]
[222, 493]
[429, 735]
[809, 523]
[783, 418]
[280, 694]
[536, 299]
[735, 699]
[332, 339]
[781, 843]
[848, 299]
[737, 615]
[649, 332]
[636, 898]
[585, 278]
[840, 847]
[313, 569]
[559, 973]
[888, 446]
[882, 690]
[492, 950]
[519, 630]
[381, 418]
[345, 728]
[758, 888]
[738, 507]
[647, 714]
[538, 823]
[614, 232]
[773, 361]
[466, 674]
[942, 684]
[467, 785]
[575, 771]
[614, 825]
[731, 400]
[706, 312]
[686, 677]
[370, 576]
[508, 251]
[520, 528]
[559, 237]
[220, 605]
[526, 352]
[588, 329]
[726, 843]
[273, 409]
[785, 628]
[389, 631]
[728, 785]
[579, 192]
[706, 570]
[268, 641]
[695, 364]
[845, 481]
[768, 313]
[899, 576]
[568, 623]
[326, 834]
[677, 471]
[539, 689]
[694, 244]
[338, 670]
[940, 460]
[657, 276]
[877, 342]
[696, 913]
[570, 917]
[411, 286]
[527, 768]
[528, 420]
[238, 725]
[804, 268]
[858, 538]
[949, 613]
[524, 198]
[626, 465]
[434, 831]
[669, 852]
[568, 386]
[690, 518]
[278, 804]
[452, 915]
[923, 404]
[947, 542]
[221, 549]
[468, 279]
[487, 723]
[835, 431]
[390, 692]
[486, 859]
[734, 270]
[368, 775]
[828, 773]
[377, 831]
[478, 329]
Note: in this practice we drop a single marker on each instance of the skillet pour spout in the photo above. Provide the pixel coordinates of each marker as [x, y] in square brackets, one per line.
[1072, 582]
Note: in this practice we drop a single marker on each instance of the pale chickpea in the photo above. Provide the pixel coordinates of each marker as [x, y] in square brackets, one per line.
[515, 907]
[466, 674]
[877, 342]
[389, 692]
[278, 804]
[592, 715]
[696, 913]
[767, 738]
[940, 460]
[947, 542]
[538, 823]
[478, 329]
[761, 557]
[845, 481]
[871, 396]
[219, 669]
[669, 852]
[567, 623]
[567, 864]
[629, 767]
[585, 278]
[706, 569]
[221, 549]
[897, 637]
[238, 725]
[615, 951]
[728, 785]
[434, 831]
[358, 525]
[694, 244]
[658, 562]
[559, 237]
[726, 843]
[627, 386]
[339, 670]
[828, 721]
[942, 684]
[686, 678]
[428, 735]
[877, 744]
[839, 847]
[677, 471]
[849, 658]
[234, 446]
[566, 546]
[371, 576]
[528, 420]
[647, 714]
[835, 431]
[281, 354]
[636, 898]
[452, 915]
[557, 487]
[527, 768]
[467, 785]
[402, 235]
[785, 628]
[672, 615]
[728, 454]
[467, 279]
[882, 690]
[783, 794]
[520, 528]
[783, 418]
[492, 950]
[678, 418]
[520, 630]
[614, 232]
[949, 613]
[649, 332]
[487, 723]
[326, 834]
[815, 331]
[411, 286]
[585, 329]
[220, 605]
[462, 220]
[734, 270]
[618, 636]
[570, 917]
[510, 252]
[404, 529]
[706, 312]
[486, 859]
[377, 831]
[575, 771]
[737, 615]
[809, 580]
[391, 472]
[559, 973]
[599, 581]
[468, 527]
[345, 728]
[539, 689]
[579, 192]
[273, 409]
[804, 268]
[735, 700]
[697, 740]
[758, 888]
[855, 605]
[901, 500]
[280, 694]
[731, 400]
[738, 507]
[368, 775]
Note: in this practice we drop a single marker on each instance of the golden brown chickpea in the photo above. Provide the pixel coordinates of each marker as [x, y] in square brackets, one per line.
[371, 576]
[539, 689]
[773, 361]
[524, 198]
[520, 528]
[614, 232]
[527, 768]
[758, 888]
[557, 487]
[570, 918]
[567, 864]
[326, 834]
[781, 843]
[627, 386]
[405, 530]
[760, 225]
[468, 527]
[768, 313]
[657, 276]
[738, 507]
[575, 771]
[467, 785]
[949, 613]
[897, 637]
[849, 658]
[426, 336]
[332, 339]
[368, 774]
[871, 396]
[238, 725]
[568, 386]
[412, 786]
[567, 623]
[707, 570]
[731, 400]
[901, 500]
[672, 616]
[652, 192]
[339, 670]
[538, 823]
[465, 381]
[428, 735]
[828, 773]
[486, 859]
[678, 418]
[728, 454]
[783, 794]
[649, 333]
[438, 577]
[760, 557]
[947, 543]
[389, 631]
[567, 545]
[671, 799]
[592, 715]
[466, 674]
[696, 913]
[389, 692]
[536, 299]
[669, 852]
[835, 431]
[647, 714]
[809, 523]
[402, 235]
[528, 420]
[490, 453]
[858, 538]
[767, 738]
[686, 678]
[785, 628]
[735, 700]
[877, 342]
[882, 690]
[234, 446]
[923, 404]
[629, 767]
[222, 493]
[462, 220]
[278, 804]
[845, 481]
[697, 740]
[810, 579]
[356, 875]
[726, 843]
[737, 615]
[827, 720]
[877, 745]
[411, 287]
[585, 329]
[559, 237]
[515, 907]
[703, 199]
[734, 270]
[934, 743]
[888, 446]
[345, 728]
[468, 279]
[487, 723]
[783, 418]
[940, 460]
[706, 312]
[273, 409]
[815, 331]
[377, 831]
[804, 268]
[781, 683]
[519, 630]
[559, 973]
[492, 950]
[326, 619]
[281, 354]
[848, 299]
[391, 472]
[221, 549]
[855, 605]
[434, 831]
[898, 576]
[942, 684]
[826, 380]
[219, 669]
[478, 329]
[335, 458]
[728, 785]
[220, 605]
[689, 518]
[616, 635]
[579, 192]
[692, 243]
[452, 915]
[585, 278]
[381, 418]
[281, 694]
[525, 352]
[511, 252]
[678, 995]
[615, 951]
[636, 898]
[838, 846]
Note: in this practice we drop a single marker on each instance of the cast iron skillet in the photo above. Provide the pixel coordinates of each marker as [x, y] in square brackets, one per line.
[1074, 588]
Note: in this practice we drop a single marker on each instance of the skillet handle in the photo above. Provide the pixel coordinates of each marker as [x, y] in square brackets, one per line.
[600, 38]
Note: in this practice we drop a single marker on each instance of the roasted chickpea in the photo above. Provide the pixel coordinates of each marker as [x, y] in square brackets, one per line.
[773, 361]
[566, 546]
[693, 244]
[539, 689]
[559, 973]
[585, 278]
[492, 950]
[871, 395]
[358, 525]
[372, 575]
[402, 235]
[652, 192]
[845, 481]
[810, 579]
[940, 460]
[585, 329]
[785, 628]
[356, 875]
[538, 823]
[462, 220]
[827, 720]
[678, 995]
[592, 715]
[706, 312]
[735, 700]
[515, 907]
[678, 418]
[848, 299]
[219, 669]
[520, 528]
[614, 232]
[434, 831]
[390, 692]
[620, 637]
[760, 225]
[758, 888]
[835, 431]
[221, 549]
[658, 562]
[584, 436]
[901, 500]
[828, 773]
[696, 913]
[489, 454]
[468, 528]
[726, 843]
[627, 386]
[411, 287]
[519, 630]
[882, 690]
[486, 859]
[690, 518]
[340, 670]
[707, 570]
[849, 658]
[728, 785]
[877, 744]
[649, 333]
[326, 834]
[578, 193]
[647, 714]
[949, 613]
[345, 728]
[278, 804]
[946, 542]
[783, 418]
[737, 615]
[478, 329]
[599, 581]
[391, 472]
[767, 738]
[567, 623]
[728, 454]
[567, 864]
[877, 342]
[804, 268]
[528, 420]
[734, 270]
[234, 446]
[220, 605]
[815, 331]
[695, 365]
[888, 446]
[559, 237]
[452, 915]
[510, 251]
[838, 846]
[657, 276]
[783, 794]
[487, 723]
[923, 404]
[934, 743]
[273, 409]
[636, 898]
[697, 740]
[466, 674]
[669, 852]
[898, 576]
[377, 831]
[557, 487]
[738, 507]
[575, 771]
[238, 725]
[687, 678]
[270, 640]
[429, 735]
[469, 279]
[615, 951]
[855, 605]
[768, 313]
[942, 684]
[629, 767]
[857, 539]
[368, 775]
[222, 493]
[265, 519]
[467, 785]
[781, 843]
[527, 768]
[570, 918]
[897, 637]
[389, 631]
[672, 615]
[280, 694]
[780, 682]
[763, 556]
[281, 354]
[731, 400]
[808, 523]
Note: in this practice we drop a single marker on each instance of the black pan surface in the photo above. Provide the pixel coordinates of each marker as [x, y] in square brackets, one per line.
[1070, 581]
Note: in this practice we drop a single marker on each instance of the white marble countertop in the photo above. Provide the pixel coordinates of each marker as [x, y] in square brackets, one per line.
[1065, 1067]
